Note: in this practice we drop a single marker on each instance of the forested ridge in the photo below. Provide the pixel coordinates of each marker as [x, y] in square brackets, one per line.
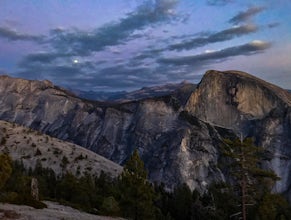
[132, 196]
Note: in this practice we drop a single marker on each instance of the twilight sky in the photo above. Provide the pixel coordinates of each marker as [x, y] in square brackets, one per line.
[111, 45]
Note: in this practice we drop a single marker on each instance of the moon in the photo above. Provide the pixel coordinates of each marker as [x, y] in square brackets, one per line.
[75, 61]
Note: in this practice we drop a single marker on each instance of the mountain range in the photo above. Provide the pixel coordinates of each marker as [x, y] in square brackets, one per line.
[143, 93]
[178, 133]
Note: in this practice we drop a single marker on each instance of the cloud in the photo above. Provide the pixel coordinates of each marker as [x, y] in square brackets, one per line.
[38, 58]
[224, 35]
[16, 36]
[219, 2]
[62, 46]
[273, 25]
[78, 42]
[248, 49]
[244, 16]
[118, 56]
[90, 75]
[118, 77]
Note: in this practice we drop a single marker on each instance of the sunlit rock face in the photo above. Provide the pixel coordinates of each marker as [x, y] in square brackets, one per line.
[178, 135]
[225, 98]
[249, 106]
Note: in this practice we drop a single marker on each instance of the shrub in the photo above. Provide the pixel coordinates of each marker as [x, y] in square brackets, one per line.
[80, 157]
[110, 206]
[8, 197]
[5, 169]
[65, 161]
[89, 168]
[57, 151]
[3, 141]
[38, 152]
[26, 199]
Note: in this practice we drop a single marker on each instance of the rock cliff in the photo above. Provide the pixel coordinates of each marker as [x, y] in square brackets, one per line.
[251, 107]
[178, 135]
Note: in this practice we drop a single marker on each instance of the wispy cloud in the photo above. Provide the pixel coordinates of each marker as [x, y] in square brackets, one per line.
[108, 59]
[78, 42]
[38, 58]
[62, 45]
[248, 49]
[220, 36]
[273, 25]
[12, 35]
[244, 16]
[219, 2]
[83, 76]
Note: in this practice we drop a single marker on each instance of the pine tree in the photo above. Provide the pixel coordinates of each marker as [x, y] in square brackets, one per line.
[5, 169]
[244, 168]
[273, 206]
[136, 193]
[181, 207]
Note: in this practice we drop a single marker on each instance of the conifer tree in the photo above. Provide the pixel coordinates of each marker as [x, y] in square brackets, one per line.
[5, 169]
[245, 169]
[181, 206]
[136, 193]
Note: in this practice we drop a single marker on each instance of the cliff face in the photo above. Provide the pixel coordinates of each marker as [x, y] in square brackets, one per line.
[227, 98]
[178, 142]
[249, 107]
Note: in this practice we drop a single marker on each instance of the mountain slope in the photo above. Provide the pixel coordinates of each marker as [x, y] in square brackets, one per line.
[154, 126]
[250, 107]
[31, 147]
[54, 211]
[177, 135]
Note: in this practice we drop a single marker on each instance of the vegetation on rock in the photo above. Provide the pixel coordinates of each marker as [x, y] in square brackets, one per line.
[136, 193]
[5, 169]
[132, 196]
[251, 182]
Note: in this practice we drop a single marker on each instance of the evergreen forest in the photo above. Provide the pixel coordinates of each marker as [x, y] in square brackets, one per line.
[247, 196]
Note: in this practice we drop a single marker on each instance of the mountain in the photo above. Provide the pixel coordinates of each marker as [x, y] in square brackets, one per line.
[145, 92]
[178, 135]
[32, 147]
[99, 95]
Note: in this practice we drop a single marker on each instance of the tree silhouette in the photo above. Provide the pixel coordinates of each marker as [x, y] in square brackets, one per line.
[136, 193]
[245, 169]
[5, 169]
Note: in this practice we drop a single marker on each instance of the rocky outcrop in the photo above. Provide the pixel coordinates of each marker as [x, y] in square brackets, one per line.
[251, 107]
[227, 98]
[54, 211]
[177, 136]
[165, 139]
[32, 149]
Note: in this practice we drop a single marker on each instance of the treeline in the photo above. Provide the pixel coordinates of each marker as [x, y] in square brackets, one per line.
[132, 196]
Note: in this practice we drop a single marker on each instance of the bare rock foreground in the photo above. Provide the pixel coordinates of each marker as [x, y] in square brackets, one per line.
[54, 211]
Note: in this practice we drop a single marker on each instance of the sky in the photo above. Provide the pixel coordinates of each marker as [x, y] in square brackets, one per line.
[113, 45]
